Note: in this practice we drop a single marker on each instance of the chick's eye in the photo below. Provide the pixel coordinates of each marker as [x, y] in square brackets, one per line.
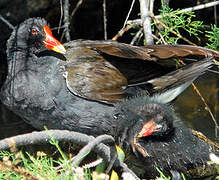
[35, 31]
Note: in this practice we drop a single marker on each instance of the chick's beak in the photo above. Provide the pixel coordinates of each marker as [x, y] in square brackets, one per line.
[147, 129]
[51, 43]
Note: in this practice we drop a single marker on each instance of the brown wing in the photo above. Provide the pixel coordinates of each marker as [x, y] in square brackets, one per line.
[90, 76]
[129, 60]
[101, 70]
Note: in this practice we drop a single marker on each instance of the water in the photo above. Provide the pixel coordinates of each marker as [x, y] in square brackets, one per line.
[192, 110]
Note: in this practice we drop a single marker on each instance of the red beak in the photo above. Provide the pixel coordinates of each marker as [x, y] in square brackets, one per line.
[148, 128]
[51, 43]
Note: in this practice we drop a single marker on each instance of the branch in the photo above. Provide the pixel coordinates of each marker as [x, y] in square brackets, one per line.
[104, 20]
[124, 27]
[215, 14]
[137, 36]
[146, 21]
[206, 108]
[76, 8]
[66, 20]
[6, 22]
[61, 16]
[127, 17]
[76, 160]
[120, 33]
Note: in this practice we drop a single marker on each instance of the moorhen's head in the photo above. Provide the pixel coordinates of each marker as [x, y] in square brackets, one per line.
[34, 35]
[158, 120]
[146, 116]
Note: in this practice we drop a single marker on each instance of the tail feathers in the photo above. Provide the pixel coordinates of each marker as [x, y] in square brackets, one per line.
[174, 83]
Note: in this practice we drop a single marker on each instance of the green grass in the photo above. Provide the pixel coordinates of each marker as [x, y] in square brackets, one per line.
[23, 165]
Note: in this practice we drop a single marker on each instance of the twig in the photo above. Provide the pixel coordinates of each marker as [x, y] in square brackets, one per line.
[203, 137]
[55, 28]
[120, 33]
[124, 27]
[127, 17]
[137, 22]
[137, 36]
[93, 164]
[104, 20]
[215, 14]
[76, 160]
[66, 20]
[146, 21]
[155, 37]
[7, 22]
[207, 108]
[76, 8]
[161, 37]
[61, 16]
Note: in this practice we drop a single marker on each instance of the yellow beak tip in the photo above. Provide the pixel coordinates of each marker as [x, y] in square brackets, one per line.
[59, 49]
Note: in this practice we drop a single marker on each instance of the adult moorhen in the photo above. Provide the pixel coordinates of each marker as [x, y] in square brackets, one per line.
[154, 137]
[97, 74]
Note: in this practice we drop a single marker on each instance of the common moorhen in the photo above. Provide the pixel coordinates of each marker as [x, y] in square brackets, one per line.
[154, 137]
[97, 74]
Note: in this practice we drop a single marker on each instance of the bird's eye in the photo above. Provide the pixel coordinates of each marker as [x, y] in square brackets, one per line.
[35, 31]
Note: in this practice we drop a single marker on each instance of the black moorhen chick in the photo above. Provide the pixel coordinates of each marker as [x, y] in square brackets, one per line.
[97, 74]
[156, 138]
